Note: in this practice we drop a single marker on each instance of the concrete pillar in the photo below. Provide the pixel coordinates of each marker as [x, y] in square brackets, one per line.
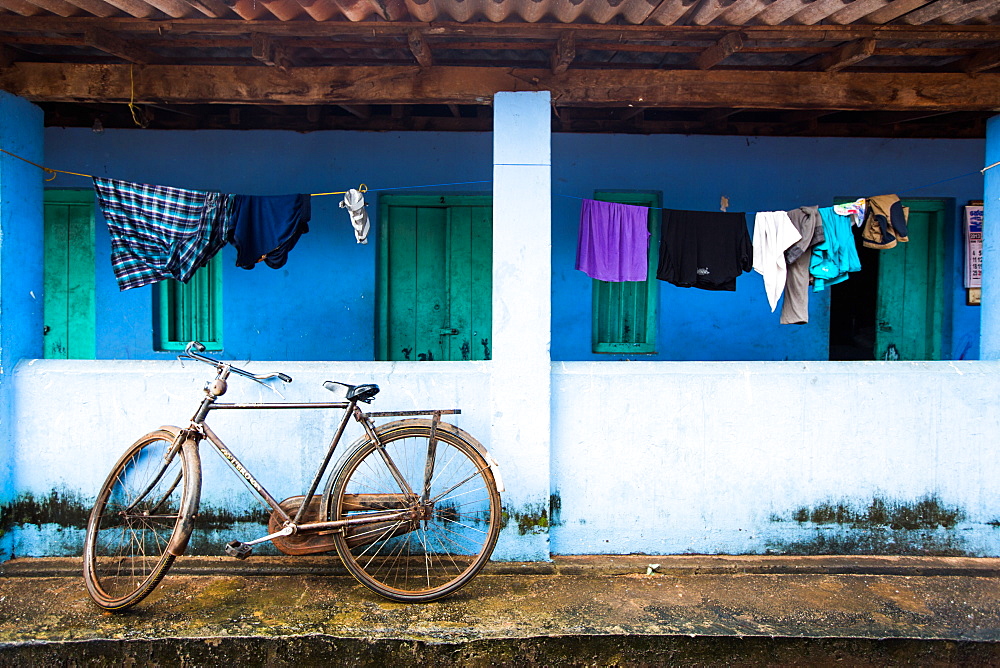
[521, 366]
[21, 272]
[989, 336]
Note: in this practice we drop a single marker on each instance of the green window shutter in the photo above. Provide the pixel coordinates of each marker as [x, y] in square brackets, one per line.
[70, 313]
[625, 314]
[191, 312]
[435, 277]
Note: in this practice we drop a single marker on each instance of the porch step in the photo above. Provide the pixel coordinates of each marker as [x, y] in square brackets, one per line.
[596, 610]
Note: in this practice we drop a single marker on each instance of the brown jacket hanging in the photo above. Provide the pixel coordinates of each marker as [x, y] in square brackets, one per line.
[885, 222]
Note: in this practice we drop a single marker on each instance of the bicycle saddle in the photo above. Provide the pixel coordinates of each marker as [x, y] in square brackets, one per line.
[363, 393]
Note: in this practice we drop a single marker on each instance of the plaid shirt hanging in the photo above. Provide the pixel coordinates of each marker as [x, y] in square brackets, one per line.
[159, 232]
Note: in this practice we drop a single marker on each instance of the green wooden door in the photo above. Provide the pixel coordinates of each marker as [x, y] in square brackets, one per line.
[69, 274]
[910, 304]
[435, 278]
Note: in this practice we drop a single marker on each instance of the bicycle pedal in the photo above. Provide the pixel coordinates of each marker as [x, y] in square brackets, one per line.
[238, 550]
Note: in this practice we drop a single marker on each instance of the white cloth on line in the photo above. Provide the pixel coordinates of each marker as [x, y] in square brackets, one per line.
[354, 202]
[773, 233]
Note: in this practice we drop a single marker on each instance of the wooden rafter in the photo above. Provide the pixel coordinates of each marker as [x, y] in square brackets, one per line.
[269, 51]
[212, 8]
[564, 52]
[166, 84]
[95, 7]
[7, 56]
[982, 61]
[713, 116]
[847, 55]
[419, 48]
[116, 46]
[362, 111]
[715, 54]
[134, 8]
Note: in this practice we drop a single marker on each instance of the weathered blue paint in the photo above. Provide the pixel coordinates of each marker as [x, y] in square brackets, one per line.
[76, 417]
[704, 457]
[21, 278]
[264, 317]
[655, 457]
[991, 244]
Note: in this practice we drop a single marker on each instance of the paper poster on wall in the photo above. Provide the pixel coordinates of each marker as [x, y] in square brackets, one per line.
[973, 246]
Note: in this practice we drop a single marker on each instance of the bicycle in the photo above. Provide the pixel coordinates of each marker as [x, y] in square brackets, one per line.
[413, 511]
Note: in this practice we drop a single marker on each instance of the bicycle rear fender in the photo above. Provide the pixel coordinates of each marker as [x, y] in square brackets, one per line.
[388, 427]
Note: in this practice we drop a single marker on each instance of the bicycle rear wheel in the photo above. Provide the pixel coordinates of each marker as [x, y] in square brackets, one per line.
[141, 520]
[452, 502]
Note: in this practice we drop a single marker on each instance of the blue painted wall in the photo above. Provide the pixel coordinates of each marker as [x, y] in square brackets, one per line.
[20, 266]
[991, 244]
[320, 306]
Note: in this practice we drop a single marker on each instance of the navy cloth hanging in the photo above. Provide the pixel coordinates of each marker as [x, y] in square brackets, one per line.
[265, 227]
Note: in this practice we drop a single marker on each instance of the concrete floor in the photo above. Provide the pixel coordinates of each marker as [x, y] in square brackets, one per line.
[605, 610]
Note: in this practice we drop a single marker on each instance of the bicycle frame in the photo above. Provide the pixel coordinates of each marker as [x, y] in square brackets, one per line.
[199, 430]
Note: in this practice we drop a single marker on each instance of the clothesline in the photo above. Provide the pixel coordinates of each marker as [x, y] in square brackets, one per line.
[47, 170]
[953, 178]
[363, 188]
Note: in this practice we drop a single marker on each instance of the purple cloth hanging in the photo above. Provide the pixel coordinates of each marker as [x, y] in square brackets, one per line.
[614, 241]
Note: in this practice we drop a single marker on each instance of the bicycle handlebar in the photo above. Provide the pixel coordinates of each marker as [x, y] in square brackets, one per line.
[195, 350]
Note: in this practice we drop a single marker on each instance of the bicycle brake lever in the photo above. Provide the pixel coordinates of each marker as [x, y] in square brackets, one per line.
[260, 382]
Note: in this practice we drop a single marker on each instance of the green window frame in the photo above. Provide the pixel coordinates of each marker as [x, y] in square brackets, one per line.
[624, 315]
[192, 311]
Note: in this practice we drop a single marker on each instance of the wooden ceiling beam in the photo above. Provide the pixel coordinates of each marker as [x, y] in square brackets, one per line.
[166, 84]
[223, 27]
[389, 42]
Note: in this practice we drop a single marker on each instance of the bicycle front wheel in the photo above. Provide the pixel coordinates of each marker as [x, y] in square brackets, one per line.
[451, 504]
[140, 521]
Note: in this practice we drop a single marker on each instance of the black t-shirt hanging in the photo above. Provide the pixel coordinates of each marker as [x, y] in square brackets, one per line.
[704, 249]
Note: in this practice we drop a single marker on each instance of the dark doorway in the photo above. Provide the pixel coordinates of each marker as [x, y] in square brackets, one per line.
[893, 308]
[853, 309]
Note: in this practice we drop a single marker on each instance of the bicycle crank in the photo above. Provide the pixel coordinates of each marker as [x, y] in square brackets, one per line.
[241, 550]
